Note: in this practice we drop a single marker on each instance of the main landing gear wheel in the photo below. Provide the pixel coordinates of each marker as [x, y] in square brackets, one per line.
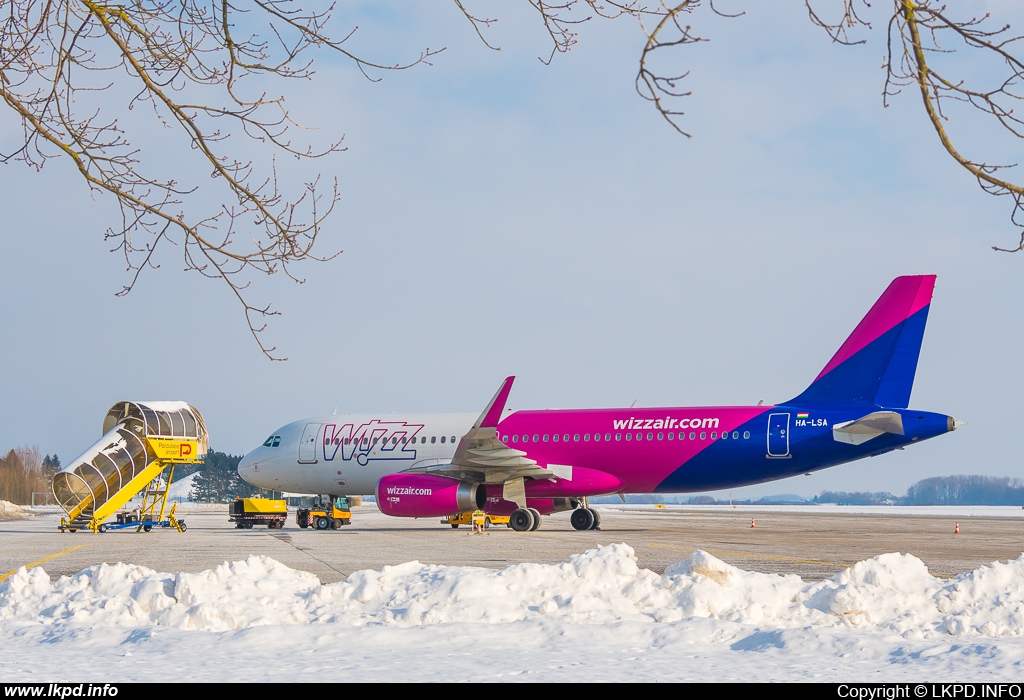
[522, 520]
[536, 518]
[582, 519]
[322, 523]
[597, 519]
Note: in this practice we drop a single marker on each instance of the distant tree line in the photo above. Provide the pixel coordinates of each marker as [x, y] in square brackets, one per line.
[23, 472]
[859, 498]
[958, 490]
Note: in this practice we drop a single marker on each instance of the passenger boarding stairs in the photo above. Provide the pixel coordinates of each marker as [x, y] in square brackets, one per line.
[140, 441]
[82, 521]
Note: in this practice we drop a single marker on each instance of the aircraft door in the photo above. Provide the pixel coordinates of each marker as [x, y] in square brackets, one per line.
[778, 435]
[307, 445]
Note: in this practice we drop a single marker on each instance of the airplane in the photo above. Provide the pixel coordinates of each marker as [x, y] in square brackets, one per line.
[531, 463]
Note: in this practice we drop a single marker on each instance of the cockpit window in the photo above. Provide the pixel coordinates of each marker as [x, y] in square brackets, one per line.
[272, 441]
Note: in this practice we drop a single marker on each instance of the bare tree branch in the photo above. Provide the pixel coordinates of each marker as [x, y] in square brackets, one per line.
[81, 74]
[57, 57]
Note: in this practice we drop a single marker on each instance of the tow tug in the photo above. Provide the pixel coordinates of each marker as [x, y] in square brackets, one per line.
[327, 514]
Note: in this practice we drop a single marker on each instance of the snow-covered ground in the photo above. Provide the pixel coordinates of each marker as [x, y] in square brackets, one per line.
[595, 617]
[966, 511]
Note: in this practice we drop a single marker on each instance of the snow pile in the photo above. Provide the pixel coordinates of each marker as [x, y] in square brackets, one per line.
[181, 489]
[891, 593]
[9, 511]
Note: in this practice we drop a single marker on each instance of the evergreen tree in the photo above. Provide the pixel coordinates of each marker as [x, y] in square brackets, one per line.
[218, 480]
[51, 465]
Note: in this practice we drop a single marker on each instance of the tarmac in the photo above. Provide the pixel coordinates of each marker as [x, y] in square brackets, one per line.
[808, 543]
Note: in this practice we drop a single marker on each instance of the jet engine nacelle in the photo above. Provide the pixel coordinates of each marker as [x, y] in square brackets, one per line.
[427, 496]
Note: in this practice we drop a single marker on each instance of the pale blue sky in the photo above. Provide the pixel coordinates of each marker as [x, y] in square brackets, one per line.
[504, 217]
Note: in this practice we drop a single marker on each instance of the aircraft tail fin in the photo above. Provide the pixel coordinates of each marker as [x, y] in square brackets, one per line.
[877, 363]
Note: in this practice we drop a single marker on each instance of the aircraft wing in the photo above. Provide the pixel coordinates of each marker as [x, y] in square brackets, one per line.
[481, 456]
[857, 432]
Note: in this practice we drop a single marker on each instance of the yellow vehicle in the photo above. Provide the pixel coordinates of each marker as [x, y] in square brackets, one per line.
[247, 512]
[466, 518]
[328, 514]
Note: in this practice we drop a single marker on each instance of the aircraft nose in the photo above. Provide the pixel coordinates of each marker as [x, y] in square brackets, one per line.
[247, 465]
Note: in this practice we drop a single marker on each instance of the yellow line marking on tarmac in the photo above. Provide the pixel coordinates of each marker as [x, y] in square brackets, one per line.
[4, 577]
[838, 565]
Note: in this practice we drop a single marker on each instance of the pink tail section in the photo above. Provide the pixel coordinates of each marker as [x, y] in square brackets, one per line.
[877, 363]
[904, 297]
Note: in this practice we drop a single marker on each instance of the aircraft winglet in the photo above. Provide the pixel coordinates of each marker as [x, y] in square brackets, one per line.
[492, 414]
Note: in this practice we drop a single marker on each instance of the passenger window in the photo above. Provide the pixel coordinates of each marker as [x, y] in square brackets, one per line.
[629, 436]
[661, 436]
[725, 435]
[442, 439]
[618, 437]
[545, 437]
[735, 435]
[650, 436]
[576, 437]
[607, 437]
[433, 439]
[554, 437]
[453, 439]
[586, 437]
[536, 438]
[703, 436]
[746, 434]
[597, 437]
[671, 436]
[693, 436]
[714, 435]
[565, 438]
[394, 440]
[526, 438]
[504, 438]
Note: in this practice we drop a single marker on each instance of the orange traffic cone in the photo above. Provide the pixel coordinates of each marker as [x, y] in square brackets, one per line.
[957, 530]
[752, 523]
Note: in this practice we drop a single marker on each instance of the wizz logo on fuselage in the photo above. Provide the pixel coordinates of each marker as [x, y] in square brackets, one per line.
[373, 440]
